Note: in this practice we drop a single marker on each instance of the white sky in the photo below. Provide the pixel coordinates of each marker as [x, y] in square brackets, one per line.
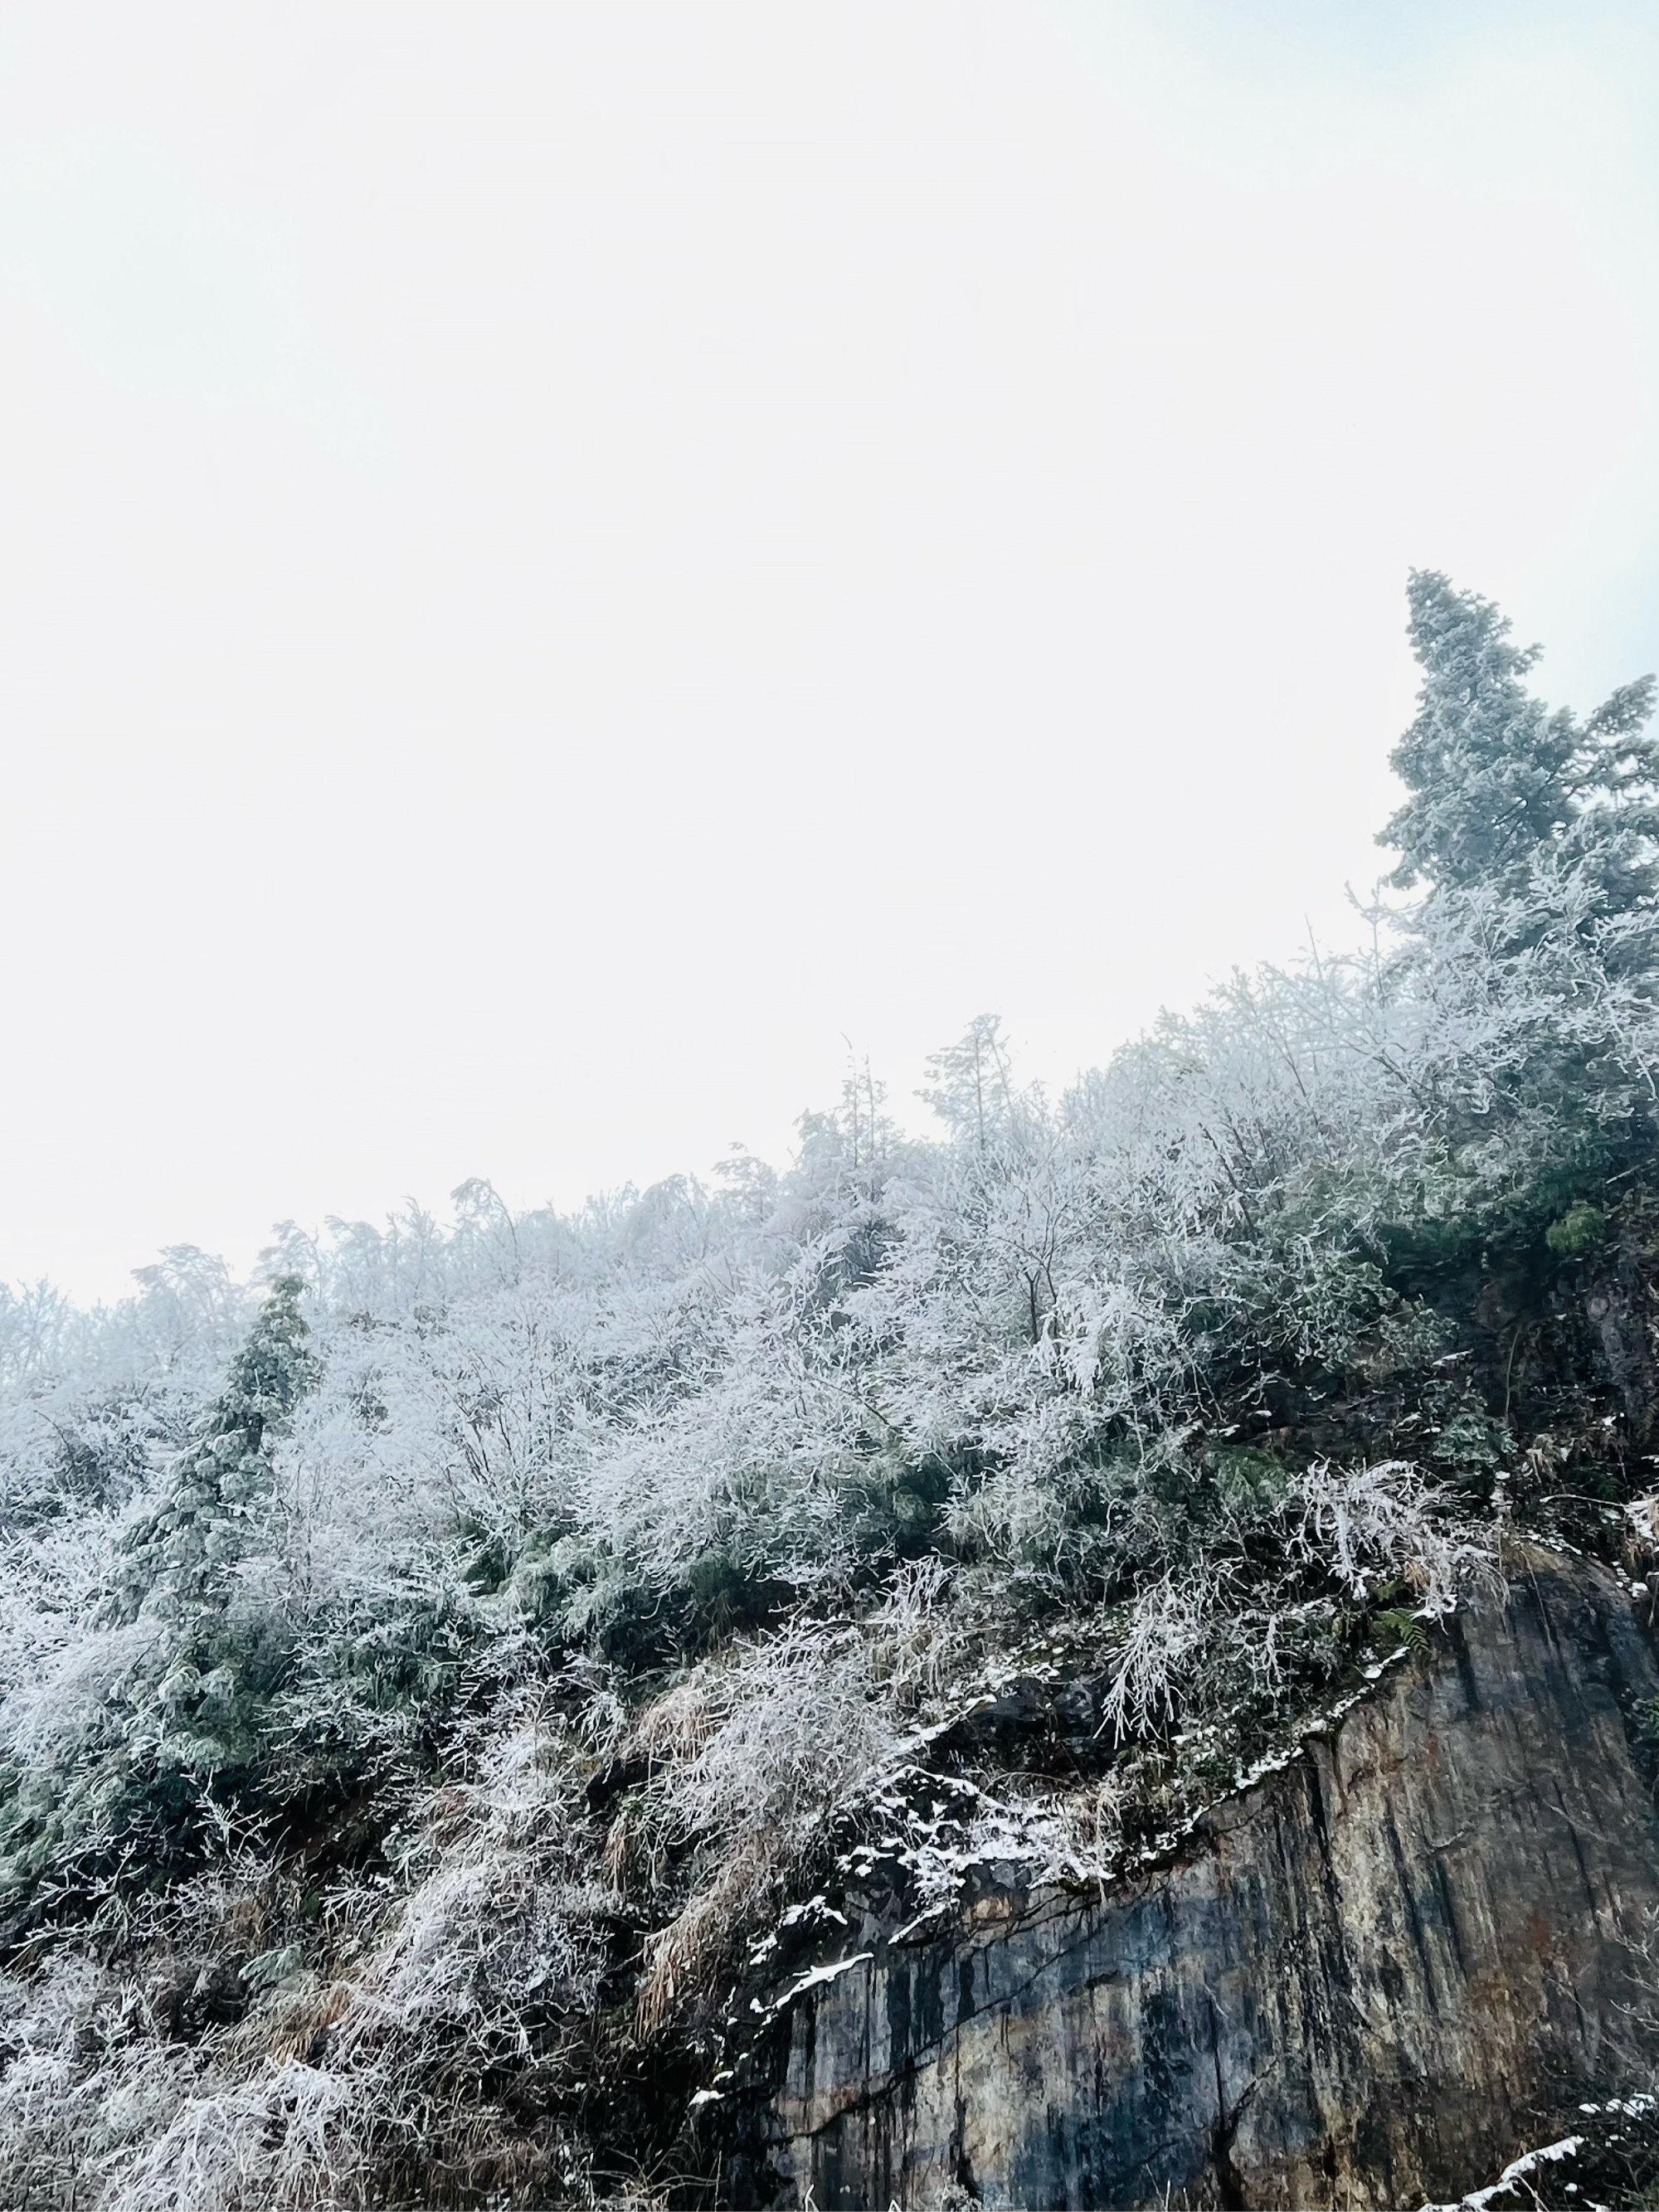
[557, 560]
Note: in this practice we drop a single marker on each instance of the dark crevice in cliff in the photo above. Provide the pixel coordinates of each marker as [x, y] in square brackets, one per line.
[1229, 2182]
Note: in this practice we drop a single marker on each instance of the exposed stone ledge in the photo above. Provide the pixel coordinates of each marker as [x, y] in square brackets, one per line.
[1371, 1979]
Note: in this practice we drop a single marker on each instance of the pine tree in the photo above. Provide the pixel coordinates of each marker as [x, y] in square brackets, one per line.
[1497, 781]
[185, 1721]
[181, 1560]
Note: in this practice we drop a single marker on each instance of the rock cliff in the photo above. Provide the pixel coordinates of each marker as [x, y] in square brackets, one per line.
[1370, 1978]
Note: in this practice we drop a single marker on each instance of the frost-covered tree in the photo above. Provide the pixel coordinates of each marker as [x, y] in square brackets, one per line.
[179, 1558]
[169, 1691]
[1497, 781]
[417, 1690]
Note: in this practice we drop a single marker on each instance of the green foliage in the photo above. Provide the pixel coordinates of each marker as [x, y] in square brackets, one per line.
[1398, 1628]
[894, 1508]
[1580, 1230]
[722, 1597]
[1249, 1483]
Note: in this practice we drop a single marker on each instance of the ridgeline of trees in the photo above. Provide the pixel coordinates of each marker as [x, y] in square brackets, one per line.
[427, 1673]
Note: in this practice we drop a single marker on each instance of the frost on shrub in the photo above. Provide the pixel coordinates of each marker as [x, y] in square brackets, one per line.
[1368, 1524]
[421, 1671]
[750, 1758]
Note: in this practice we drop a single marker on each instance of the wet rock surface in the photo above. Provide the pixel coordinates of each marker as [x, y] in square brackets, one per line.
[1371, 1979]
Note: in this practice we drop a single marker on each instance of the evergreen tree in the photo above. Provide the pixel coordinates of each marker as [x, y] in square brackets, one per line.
[1498, 781]
[182, 1719]
[181, 1560]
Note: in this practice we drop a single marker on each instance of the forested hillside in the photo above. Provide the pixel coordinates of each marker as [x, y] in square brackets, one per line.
[430, 1671]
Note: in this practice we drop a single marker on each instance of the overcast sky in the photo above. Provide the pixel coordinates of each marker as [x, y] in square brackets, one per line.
[559, 562]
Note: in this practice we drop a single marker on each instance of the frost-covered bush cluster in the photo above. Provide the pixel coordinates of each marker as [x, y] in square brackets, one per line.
[425, 1672]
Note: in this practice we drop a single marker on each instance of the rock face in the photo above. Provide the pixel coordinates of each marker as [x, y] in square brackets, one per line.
[1371, 1979]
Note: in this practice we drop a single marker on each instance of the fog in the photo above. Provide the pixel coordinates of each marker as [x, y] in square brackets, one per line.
[566, 568]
